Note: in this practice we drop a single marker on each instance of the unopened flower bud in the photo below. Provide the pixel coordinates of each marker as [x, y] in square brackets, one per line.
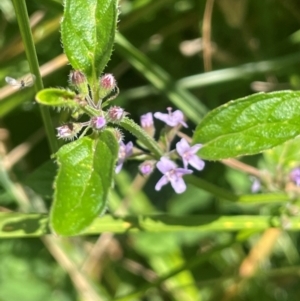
[116, 113]
[107, 84]
[78, 79]
[147, 123]
[146, 168]
[98, 122]
[69, 131]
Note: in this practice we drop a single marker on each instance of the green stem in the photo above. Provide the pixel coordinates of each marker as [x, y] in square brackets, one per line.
[14, 224]
[222, 193]
[137, 131]
[23, 21]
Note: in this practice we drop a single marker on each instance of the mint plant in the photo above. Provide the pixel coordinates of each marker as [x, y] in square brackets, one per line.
[87, 165]
[181, 193]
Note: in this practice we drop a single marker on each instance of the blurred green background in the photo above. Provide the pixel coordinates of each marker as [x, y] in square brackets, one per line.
[211, 52]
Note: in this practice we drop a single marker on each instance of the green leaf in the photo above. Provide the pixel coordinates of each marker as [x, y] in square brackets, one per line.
[59, 98]
[88, 31]
[85, 175]
[249, 125]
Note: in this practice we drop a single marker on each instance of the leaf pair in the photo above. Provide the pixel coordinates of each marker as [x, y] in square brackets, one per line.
[86, 166]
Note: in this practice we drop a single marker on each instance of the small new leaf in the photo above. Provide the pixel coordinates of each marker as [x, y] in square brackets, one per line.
[60, 98]
[88, 32]
[85, 175]
[249, 125]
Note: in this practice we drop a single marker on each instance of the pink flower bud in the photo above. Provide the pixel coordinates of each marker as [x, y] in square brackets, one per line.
[78, 79]
[146, 167]
[69, 131]
[116, 113]
[107, 82]
[98, 122]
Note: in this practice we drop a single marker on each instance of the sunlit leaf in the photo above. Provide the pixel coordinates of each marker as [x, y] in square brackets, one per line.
[84, 178]
[249, 125]
[88, 31]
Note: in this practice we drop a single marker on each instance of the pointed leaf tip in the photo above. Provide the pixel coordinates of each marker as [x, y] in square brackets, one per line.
[88, 31]
[249, 125]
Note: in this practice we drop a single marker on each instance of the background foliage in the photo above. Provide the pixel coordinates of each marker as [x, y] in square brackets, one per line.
[254, 47]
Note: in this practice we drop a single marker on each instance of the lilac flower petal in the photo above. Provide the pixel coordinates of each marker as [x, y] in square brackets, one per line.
[295, 176]
[125, 151]
[171, 118]
[163, 117]
[182, 146]
[194, 149]
[183, 171]
[128, 149]
[119, 167]
[196, 162]
[188, 154]
[171, 173]
[178, 185]
[99, 122]
[146, 120]
[165, 165]
[179, 117]
[162, 182]
[256, 186]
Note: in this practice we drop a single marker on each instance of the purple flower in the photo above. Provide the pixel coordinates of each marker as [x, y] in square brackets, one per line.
[188, 154]
[295, 175]
[172, 118]
[147, 123]
[256, 185]
[147, 120]
[125, 151]
[171, 173]
[98, 122]
[146, 168]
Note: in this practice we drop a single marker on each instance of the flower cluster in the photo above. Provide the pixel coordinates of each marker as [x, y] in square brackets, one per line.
[107, 84]
[171, 172]
[93, 101]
